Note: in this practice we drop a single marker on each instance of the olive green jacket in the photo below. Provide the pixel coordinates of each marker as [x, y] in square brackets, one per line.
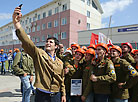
[134, 89]
[105, 73]
[49, 74]
[129, 58]
[25, 61]
[87, 83]
[126, 74]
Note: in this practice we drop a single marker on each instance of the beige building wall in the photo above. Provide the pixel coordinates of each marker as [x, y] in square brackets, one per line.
[116, 37]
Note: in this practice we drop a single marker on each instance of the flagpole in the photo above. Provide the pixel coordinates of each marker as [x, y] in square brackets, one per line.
[109, 28]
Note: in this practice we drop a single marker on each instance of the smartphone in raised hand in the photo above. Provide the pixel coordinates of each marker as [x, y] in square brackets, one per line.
[20, 7]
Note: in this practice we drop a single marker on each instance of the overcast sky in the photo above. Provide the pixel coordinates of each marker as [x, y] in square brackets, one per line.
[124, 12]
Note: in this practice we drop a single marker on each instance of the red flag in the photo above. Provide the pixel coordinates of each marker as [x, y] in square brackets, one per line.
[94, 39]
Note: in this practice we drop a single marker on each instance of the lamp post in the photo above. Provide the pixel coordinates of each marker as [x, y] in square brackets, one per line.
[59, 4]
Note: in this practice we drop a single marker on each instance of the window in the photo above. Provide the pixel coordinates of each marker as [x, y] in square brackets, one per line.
[64, 21]
[88, 26]
[49, 12]
[33, 39]
[43, 26]
[88, 2]
[33, 19]
[37, 39]
[49, 25]
[43, 38]
[38, 28]
[64, 7]
[29, 30]
[88, 14]
[56, 10]
[94, 5]
[26, 30]
[30, 20]
[48, 36]
[55, 23]
[63, 35]
[33, 29]
[44, 15]
[39, 17]
[25, 21]
[56, 35]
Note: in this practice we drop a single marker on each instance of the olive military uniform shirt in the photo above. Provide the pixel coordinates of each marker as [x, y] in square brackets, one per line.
[25, 61]
[129, 58]
[125, 73]
[105, 73]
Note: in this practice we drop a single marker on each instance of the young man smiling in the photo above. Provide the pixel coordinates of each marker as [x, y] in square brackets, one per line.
[49, 81]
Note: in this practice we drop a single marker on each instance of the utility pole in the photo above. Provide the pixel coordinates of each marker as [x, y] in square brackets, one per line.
[59, 4]
[109, 28]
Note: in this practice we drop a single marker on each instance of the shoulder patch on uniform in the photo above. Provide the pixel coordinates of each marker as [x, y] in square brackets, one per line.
[133, 72]
[112, 72]
[130, 68]
[111, 66]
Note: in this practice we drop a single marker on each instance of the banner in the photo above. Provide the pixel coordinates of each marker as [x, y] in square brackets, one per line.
[102, 38]
[14, 35]
[94, 39]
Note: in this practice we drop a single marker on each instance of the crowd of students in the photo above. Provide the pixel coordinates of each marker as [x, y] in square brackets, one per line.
[108, 72]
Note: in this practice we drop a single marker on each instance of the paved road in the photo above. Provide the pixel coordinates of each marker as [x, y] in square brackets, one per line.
[10, 88]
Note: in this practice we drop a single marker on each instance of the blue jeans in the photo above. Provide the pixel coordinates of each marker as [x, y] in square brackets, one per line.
[90, 97]
[10, 64]
[26, 88]
[3, 69]
[101, 97]
[120, 100]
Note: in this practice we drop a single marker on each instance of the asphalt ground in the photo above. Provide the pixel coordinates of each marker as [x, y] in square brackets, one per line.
[10, 88]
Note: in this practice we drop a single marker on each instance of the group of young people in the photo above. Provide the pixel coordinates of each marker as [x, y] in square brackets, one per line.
[108, 72]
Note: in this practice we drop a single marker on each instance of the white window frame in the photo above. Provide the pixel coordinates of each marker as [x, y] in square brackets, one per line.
[50, 12]
[48, 25]
[38, 27]
[62, 35]
[55, 35]
[43, 26]
[64, 7]
[55, 23]
[43, 38]
[56, 10]
[88, 26]
[33, 29]
[64, 21]
[88, 14]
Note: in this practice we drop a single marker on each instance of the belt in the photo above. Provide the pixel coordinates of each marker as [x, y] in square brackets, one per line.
[52, 94]
[49, 94]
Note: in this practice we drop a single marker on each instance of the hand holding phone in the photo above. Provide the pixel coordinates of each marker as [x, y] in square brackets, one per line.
[20, 7]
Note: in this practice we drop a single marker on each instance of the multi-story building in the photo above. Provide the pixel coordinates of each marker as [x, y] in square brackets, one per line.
[59, 18]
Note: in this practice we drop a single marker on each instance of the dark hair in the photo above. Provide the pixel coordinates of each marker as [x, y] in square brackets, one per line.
[55, 40]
